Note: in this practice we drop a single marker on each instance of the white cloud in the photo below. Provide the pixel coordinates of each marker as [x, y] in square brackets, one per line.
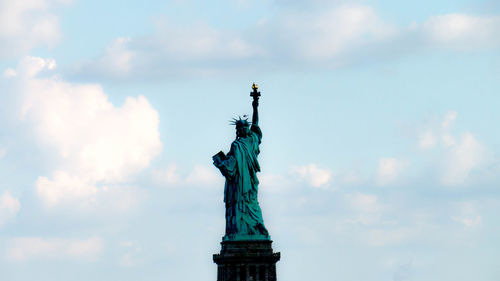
[27, 24]
[313, 175]
[9, 207]
[9, 73]
[449, 119]
[363, 202]
[426, 140]
[167, 175]
[36, 248]
[469, 221]
[314, 38]
[389, 170]
[333, 31]
[64, 187]
[441, 133]
[66, 190]
[350, 177]
[117, 60]
[447, 140]
[126, 244]
[397, 222]
[462, 159]
[204, 176]
[29, 67]
[367, 209]
[126, 260]
[274, 183]
[3, 151]
[468, 215]
[97, 142]
[130, 257]
[198, 41]
[171, 49]
[118, 56]
[203, 50]
[199, 176]
[462, 31]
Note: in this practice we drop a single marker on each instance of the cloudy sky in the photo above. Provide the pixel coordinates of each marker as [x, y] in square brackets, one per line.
[380, 157]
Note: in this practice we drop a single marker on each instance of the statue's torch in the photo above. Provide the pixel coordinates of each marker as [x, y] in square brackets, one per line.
[255, 94]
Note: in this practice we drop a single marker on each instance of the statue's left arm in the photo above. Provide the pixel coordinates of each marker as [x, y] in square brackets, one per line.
[227, 166]
[255, 120]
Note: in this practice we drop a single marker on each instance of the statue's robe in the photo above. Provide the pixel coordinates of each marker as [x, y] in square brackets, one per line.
[243, 214]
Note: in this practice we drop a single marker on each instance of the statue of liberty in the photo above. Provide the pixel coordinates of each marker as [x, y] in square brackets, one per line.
[240, 166]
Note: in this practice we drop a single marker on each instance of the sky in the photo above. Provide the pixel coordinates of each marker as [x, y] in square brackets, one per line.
[380, 158]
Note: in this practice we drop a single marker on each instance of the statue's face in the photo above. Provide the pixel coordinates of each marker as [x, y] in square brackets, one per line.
[241, 131]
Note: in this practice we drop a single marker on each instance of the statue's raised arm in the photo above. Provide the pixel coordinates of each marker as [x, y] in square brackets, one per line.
[255, 104]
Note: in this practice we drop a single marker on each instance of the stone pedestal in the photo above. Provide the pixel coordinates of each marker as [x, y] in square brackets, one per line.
[246, 261]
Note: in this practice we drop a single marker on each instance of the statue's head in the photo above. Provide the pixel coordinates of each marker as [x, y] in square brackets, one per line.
[242, 126]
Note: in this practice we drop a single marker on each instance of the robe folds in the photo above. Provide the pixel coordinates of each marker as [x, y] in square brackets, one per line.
[243, 214]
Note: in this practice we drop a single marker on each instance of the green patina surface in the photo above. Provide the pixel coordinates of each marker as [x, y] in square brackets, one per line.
[240, 166]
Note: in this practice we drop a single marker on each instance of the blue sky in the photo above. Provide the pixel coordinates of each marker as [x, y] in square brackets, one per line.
[380, 159]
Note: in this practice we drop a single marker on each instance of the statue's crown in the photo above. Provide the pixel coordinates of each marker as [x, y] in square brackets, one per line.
[240, 122]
